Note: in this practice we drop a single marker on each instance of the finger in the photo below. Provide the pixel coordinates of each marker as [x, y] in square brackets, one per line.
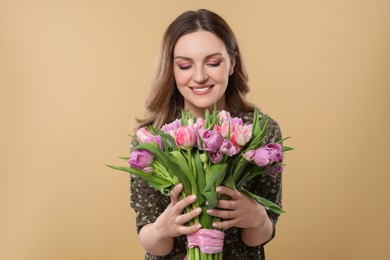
[182, 204]
[234, 194]
[224, 214]
[185, 218]
[175, 193]
[227, 204]
[185, 230]
[224, 224]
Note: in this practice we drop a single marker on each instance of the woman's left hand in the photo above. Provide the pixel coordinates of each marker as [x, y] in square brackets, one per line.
[240, 211]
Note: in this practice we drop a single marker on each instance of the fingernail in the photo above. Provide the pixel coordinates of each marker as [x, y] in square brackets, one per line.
[193, 197]
[198, 210]
[198, 226]
[214, 225]
[180, 185]
[209, 211]
[218, 189]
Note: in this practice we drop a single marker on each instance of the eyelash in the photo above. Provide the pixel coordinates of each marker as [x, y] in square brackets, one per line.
[209, 64]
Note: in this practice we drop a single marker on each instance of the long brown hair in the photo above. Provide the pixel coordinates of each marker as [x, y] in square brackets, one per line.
[165, 101]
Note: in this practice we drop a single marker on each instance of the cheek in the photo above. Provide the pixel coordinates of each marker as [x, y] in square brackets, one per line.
[221, 75]
[181, 77]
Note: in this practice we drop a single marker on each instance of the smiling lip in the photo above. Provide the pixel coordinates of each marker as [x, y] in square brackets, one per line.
[202, 89]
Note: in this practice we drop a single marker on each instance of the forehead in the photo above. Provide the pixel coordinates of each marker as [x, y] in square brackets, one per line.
[200, 43]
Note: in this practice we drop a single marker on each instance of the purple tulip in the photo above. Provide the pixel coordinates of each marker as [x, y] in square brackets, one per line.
[249, 155]
[237, 121]
[216, 157]
[171, 127]
[275, 170]
[140, 159]
[212, 140]
[268, 154]
[228, 148]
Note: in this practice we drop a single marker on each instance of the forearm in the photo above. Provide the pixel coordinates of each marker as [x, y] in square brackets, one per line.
[154, 242]
[258, 235]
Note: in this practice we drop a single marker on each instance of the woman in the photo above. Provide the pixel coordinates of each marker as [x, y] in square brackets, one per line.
[200, 65]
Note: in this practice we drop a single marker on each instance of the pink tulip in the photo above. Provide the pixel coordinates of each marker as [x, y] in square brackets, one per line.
[223, 116]
[144, 136]
[199, 123]
[185, 136]
[243, 134]
[225, 127]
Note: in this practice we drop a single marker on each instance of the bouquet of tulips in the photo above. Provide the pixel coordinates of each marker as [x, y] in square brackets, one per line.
[202, 154]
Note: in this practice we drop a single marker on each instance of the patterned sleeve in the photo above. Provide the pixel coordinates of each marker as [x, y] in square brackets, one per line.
[265, 185]
[147, 202]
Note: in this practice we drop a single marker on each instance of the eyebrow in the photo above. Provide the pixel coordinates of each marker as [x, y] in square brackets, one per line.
[208, 56]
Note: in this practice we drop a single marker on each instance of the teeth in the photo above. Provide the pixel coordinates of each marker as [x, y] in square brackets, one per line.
[201, 89]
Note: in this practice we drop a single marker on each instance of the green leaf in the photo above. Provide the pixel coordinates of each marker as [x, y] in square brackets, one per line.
[229, 182]
[253, 172]
[185, 169]
[211, 197]
[217, 175]
[264, 202]
[201, 178]
[149, 177]
[286, 148]
[168, 141]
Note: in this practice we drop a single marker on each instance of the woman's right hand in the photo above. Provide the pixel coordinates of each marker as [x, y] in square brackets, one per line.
[157, 237]
[172, 222]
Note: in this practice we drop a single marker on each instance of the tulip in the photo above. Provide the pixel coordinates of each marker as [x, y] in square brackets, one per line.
[216, 157]
[199, 123]
[275, 170]
[223, 116]
[236, 121]
[225, 128]
[144, 136]
[212, 140]
[140, 159]
[268, 154]
[171, 127]
[249, 155]
[228, 148]
[185, 136]
[243, 134]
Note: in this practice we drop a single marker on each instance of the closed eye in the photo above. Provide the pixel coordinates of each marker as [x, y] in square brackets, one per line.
[214, 64]
[184, 67]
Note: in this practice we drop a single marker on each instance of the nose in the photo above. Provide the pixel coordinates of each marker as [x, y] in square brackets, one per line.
[200, 76]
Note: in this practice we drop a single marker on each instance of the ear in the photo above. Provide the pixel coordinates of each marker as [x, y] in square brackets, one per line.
[232, 65]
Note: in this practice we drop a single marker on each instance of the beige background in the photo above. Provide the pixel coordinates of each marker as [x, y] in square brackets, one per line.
[74, 74]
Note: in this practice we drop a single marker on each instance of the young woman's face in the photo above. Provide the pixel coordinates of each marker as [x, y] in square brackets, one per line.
[202, 68]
